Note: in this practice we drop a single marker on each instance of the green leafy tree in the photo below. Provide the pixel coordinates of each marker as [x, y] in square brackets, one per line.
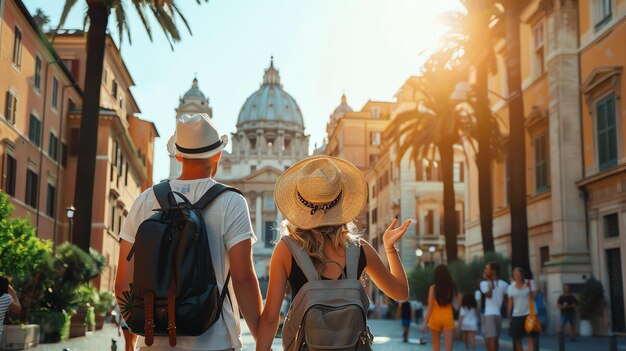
[22, 254]
[41, 19]
[436, 126]
[165, 12]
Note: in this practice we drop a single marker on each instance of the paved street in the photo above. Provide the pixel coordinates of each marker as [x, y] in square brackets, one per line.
[388, 336]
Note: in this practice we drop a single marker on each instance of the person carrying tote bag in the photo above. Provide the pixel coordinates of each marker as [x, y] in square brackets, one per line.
[521, 309]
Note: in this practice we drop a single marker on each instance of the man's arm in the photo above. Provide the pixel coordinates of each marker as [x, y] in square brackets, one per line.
[15, 307]
[124, 275]
[245, 283]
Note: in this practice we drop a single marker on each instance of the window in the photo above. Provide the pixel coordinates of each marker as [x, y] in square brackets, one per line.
[376, 112]
[538, 48]
[17, 47]
[51, 200]
[74, 141]
[374, 216]
[64, 152]
[268, 203]
[375, 138]
[114, 89]
[10, 108]
[55, 93]
[252, 143]
[10, 175]
[105, 75]
[604, 12]
[269, 234]
[252, 169]
[459, 223]
[53, 147]
[373, 160]
[544, 255]
[126, 174]
[72, 65]
[611, 226]
[458, 172]
[606, 137]
[121, 102]
[429, 222]
[541, 164]
[113, 219]
[34, 130]
[119, 224]
[37, 79]
[373, 191]
[32, 180]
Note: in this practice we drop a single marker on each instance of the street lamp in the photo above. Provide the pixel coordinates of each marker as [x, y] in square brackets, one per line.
[70, 212]
[418, 254]
[432, 254]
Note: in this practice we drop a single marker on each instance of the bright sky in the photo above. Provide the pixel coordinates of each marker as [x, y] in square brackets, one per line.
[322, 48]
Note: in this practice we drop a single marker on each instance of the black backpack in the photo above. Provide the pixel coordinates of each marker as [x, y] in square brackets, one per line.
[174, 289]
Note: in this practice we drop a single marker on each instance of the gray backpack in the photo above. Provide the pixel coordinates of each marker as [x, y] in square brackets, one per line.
[327, 314]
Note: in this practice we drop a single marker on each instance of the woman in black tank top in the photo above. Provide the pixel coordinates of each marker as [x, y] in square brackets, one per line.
[319, 197]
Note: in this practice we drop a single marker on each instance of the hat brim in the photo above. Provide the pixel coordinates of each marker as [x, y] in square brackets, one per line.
[353, 198]
[173, 151]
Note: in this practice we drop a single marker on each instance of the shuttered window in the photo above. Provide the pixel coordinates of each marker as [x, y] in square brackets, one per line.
[606, 137]
[34, 130]
[10, 107]
[541, 164]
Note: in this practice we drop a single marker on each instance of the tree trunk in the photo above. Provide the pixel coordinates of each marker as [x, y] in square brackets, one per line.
[517, 141]
[446, 152]
[484, 157]
[98, 14]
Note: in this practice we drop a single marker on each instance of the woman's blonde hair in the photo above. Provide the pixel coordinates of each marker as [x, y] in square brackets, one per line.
[313, 240]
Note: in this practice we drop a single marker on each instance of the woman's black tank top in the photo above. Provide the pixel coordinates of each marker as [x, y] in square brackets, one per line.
[297, 278]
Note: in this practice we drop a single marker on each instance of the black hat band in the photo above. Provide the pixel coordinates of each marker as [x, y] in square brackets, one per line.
[199, 150]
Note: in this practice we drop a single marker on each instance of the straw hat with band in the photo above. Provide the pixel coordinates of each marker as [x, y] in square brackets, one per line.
[320, 191]
[196, 137]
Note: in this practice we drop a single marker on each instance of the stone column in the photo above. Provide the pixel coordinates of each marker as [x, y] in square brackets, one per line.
[259, 216]
[569, 254]
[280, 143]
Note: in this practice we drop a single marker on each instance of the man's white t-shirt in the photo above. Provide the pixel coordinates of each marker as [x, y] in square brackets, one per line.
[493, 303]
[228, 223]
[5, 301]
[521, 298]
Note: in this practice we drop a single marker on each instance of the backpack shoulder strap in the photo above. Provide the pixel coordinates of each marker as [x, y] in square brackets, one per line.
[302, 258]
[353, 254]
[161, 192]
[212, 193]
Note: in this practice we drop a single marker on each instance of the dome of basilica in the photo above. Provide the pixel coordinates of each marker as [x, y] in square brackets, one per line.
[271, 103]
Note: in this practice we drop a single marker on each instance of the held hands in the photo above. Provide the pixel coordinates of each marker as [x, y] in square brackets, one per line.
[393, 234]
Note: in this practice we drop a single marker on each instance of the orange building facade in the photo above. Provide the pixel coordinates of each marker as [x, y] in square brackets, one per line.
[125, 152]
[572, 56]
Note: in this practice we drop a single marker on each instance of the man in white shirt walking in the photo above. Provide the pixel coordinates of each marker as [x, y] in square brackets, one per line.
[494, 290]
[198, 146]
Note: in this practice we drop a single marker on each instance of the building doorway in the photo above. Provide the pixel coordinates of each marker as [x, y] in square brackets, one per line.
[616, 289]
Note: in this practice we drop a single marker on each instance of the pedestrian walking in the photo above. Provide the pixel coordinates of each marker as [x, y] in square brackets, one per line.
[405, 309]
[320, 256]
[522, 293]
[468, 320]
[439, 315]
[8, 300]
[493, 290]
[212, 241]
[567, 304]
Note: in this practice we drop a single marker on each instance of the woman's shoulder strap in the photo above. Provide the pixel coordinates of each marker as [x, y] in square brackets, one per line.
[303, 260]
[353, 253]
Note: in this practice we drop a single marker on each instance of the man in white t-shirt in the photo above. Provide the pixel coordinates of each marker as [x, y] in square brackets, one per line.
[8, 300]
[198, 146]
[494, 291]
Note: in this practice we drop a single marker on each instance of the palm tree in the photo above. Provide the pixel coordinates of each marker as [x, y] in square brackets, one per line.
[165, 12]
[436, 125]
[517, 139]
[472, 34]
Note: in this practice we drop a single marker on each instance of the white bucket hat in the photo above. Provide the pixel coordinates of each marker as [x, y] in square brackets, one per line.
[196, 137]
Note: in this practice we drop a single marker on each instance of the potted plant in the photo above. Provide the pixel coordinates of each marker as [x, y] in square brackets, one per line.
[102, 307]
[590, 304]
[21, 255]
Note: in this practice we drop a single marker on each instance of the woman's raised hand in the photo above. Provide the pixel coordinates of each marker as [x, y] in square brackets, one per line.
[393, 234]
